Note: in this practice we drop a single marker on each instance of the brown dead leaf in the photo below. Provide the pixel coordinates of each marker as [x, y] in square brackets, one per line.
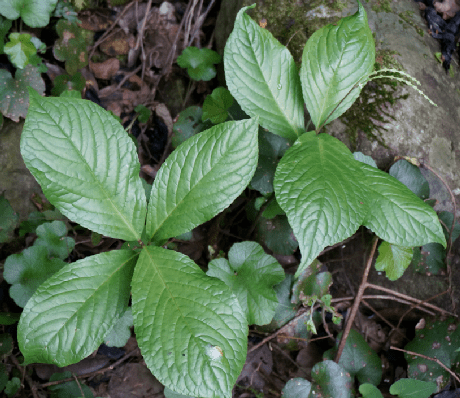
[117, 44]
[105, 70]
[95, 21]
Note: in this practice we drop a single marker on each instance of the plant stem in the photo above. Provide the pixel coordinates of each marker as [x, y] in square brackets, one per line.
[355, 307]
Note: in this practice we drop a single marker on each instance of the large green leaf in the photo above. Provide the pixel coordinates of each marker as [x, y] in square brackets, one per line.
[190, 328]
[317, 184]
[86, 165]
[250, 273]
[393, 259]
[201, 178]
[35, 13]
[334, 60]
[70, 314]
[262, 76]
[397, 215]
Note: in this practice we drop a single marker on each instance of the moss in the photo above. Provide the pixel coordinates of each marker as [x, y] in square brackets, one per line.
[382, 5]
[406, 16]
[288, 21]
[370, 112]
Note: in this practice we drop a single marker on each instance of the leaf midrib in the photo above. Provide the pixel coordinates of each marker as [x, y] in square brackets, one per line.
[87, 166]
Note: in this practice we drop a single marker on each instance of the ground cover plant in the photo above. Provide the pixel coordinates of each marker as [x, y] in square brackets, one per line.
[192, 326]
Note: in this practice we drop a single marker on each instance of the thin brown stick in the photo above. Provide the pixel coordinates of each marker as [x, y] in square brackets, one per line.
[381, 297]
[140, 34]
[78, 384]
[358, 299]
[22, 369]
[430, 359]
[393, 327]
[128, 75]
[409, 298]
[413, 306]
[111, 27]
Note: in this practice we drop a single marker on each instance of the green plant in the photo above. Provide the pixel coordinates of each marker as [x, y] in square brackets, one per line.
[34, 13]
[199, 62]
[191, 327]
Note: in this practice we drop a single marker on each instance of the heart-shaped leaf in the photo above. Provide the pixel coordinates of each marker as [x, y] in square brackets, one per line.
[34, 13]
[358, 359]
[53, 236]
[27, 270]
[251, 275]
[15, 99]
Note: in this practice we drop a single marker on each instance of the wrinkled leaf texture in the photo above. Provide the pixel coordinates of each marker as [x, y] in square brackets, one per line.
[398, 216]
[86, 165]
[262, 76]
[327, 195]
[334, 60]
[190, 328]
[71, 312]
[201, 178]
[317, 184]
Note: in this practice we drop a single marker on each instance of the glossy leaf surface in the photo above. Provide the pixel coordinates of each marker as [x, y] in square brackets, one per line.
[250, 274]
[317, 184]
[70, 313]
[334, 60]
[398, 216]
[201, 178]
[86, 165]
[262, 76]
[190, 328]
